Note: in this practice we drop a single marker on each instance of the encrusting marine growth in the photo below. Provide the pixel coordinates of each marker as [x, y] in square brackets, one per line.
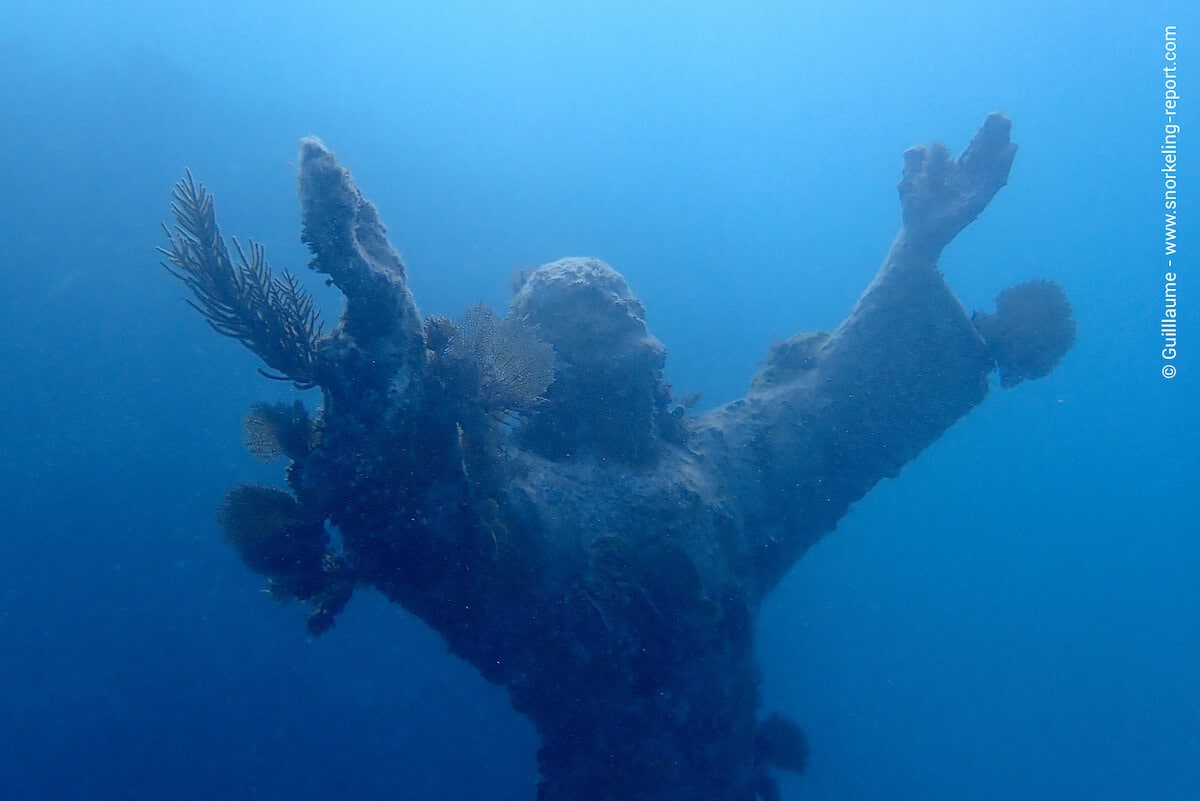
[527, 485]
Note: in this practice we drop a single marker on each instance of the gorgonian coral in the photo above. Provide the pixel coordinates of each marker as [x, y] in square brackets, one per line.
[271, 533]
[509, 367]
[272, 430]
[1030, 332]
[271, 315]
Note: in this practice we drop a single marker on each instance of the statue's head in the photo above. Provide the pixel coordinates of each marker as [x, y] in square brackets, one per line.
[608, 390]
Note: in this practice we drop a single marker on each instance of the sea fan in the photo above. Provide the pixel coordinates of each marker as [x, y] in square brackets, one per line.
[1030, 332]
[271, 533]
[272, 430]
[511, 366]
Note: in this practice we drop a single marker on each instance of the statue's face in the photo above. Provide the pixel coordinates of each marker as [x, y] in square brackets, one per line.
[586, 311]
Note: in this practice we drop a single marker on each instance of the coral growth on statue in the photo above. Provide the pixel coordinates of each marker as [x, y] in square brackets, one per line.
[1030, 332]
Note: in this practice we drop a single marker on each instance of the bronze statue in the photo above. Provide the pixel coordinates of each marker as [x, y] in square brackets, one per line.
[527, 485]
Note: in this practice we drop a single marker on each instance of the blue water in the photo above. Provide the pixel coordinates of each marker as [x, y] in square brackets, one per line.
[1015, 616]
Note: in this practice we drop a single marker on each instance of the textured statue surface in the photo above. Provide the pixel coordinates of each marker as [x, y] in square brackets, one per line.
[528, 486]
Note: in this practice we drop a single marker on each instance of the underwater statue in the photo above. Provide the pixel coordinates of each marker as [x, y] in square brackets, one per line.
[526, 484]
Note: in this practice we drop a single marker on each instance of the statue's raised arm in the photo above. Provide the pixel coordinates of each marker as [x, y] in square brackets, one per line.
[831, 414]
[527, 485]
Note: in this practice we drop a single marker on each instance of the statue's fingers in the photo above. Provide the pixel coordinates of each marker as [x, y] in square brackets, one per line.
[987, 160]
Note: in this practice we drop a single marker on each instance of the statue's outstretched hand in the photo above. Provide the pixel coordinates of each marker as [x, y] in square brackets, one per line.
[940, 196]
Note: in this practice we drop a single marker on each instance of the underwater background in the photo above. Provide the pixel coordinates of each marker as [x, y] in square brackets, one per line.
[1016, 615]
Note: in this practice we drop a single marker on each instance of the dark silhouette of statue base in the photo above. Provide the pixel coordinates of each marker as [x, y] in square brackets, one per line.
[527, 485]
